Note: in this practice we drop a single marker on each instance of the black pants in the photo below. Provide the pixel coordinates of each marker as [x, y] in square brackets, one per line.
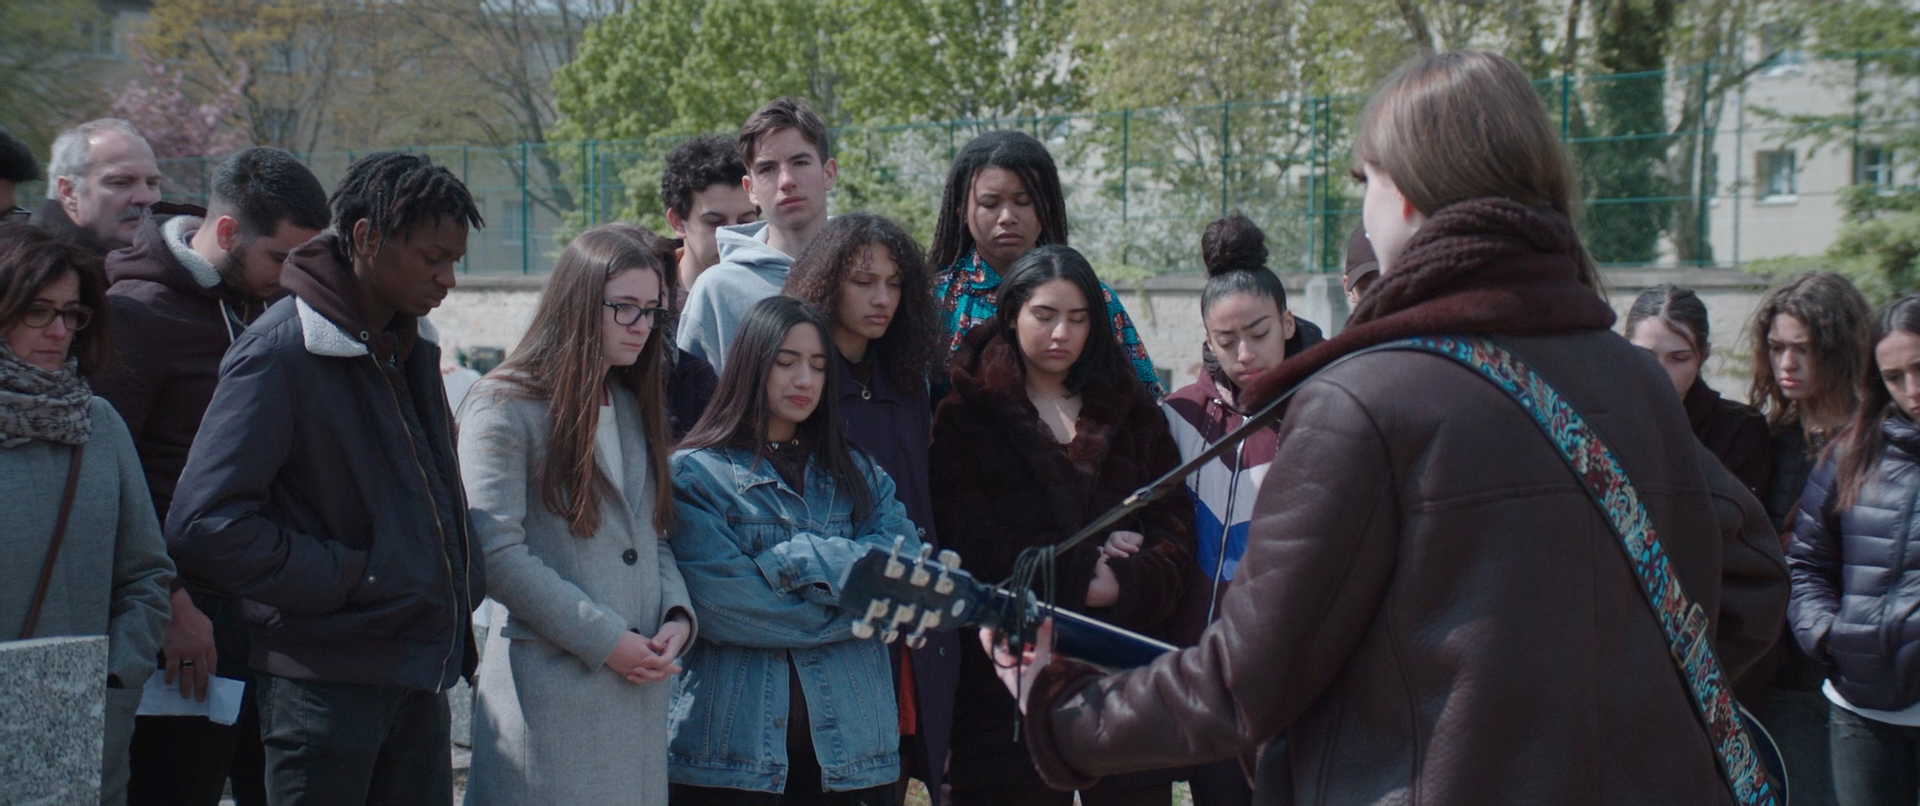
[186, 761]
[341, 744]
[1874, 763]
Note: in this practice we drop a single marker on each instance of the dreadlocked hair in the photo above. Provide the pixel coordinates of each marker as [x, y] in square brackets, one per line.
[397, 193]
[1017, 153]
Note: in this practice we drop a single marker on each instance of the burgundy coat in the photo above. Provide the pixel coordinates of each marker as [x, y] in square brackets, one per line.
[1002, 483]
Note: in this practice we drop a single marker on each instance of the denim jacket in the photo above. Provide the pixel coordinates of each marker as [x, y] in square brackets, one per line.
[763, 565]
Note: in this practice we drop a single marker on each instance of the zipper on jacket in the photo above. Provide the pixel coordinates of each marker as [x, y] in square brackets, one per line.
[439, 529]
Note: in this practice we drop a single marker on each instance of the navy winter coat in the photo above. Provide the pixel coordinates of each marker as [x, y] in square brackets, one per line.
[1856, 576]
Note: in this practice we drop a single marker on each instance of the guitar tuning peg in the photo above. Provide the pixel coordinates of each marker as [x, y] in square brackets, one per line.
[950, 559]
[862, 630]
[890, 636]
[904, 615]
[877, 609]
[920, 575]
[895, 569]
[916, 641]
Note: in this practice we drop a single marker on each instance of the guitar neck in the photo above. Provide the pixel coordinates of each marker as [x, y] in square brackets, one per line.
[1079, 637]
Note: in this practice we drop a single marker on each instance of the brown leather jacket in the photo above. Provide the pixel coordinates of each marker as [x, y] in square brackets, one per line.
[1431, 609]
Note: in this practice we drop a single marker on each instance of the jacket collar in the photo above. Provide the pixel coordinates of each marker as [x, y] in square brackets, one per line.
[177, 233]
[324, 338]
[987, 375]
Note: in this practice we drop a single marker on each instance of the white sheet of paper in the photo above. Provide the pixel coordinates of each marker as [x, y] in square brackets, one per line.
[163, 699]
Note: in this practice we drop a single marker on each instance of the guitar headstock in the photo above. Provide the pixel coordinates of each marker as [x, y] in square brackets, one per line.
[892, 593]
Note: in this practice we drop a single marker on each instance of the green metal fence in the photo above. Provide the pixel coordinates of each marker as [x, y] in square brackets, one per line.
[1674, 174]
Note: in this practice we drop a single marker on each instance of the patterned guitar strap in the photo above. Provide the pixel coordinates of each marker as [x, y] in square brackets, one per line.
[1683, 622]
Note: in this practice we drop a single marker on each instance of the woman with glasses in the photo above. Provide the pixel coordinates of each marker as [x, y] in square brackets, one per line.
[564, 452]
[80, 550]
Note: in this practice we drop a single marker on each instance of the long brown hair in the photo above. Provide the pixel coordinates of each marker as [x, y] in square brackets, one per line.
[1468, 125]
[561, 360]
[1839, 328]
[1859, 447]
[912, 347]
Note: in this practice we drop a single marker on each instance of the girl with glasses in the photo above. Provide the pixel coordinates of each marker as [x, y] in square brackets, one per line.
[564, 449]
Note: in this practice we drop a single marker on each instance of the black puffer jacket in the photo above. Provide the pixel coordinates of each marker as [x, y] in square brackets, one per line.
[1856, 576]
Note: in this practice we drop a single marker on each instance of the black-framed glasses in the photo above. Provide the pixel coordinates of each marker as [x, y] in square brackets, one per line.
[15, 215]
[627, 313]
[78, 316]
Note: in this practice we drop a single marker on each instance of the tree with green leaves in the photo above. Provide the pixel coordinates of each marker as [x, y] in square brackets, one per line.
[1878, 245]
[44, 50]
[668, 68]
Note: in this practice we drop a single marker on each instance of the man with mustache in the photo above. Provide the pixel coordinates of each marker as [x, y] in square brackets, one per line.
[789, 174]
[104, 178]
[181, 294]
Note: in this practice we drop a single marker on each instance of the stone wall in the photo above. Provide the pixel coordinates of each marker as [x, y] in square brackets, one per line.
[493, 311]
[52, 714]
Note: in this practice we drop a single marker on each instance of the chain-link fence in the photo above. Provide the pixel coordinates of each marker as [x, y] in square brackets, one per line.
[1699, 166]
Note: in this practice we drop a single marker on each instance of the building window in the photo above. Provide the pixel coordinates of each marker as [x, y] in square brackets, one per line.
[1873, 166]
[1775, 175]
[513, 231]
[1780, 48]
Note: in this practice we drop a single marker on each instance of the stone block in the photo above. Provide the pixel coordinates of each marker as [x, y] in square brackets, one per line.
[52, 716]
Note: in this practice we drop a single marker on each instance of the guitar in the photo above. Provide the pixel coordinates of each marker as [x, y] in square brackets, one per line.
[896, 596]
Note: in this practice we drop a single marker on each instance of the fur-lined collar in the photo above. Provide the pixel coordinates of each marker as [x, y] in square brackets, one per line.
[178, 234]
[324, 338]
[988, 376]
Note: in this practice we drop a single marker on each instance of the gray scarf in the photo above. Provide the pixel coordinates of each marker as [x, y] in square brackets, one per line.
[37, 404]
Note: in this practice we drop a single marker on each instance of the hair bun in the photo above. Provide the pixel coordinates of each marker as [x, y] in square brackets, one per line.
[1233, 244]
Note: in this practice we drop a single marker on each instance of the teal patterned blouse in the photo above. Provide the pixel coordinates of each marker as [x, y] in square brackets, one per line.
[966, 293]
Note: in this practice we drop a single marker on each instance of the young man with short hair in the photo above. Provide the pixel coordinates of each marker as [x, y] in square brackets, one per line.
[103, 179]
[790, 170]
[180, 296]
[322, 489]
[703, 190]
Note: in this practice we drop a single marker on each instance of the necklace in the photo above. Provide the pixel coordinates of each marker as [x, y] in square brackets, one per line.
[865, 393]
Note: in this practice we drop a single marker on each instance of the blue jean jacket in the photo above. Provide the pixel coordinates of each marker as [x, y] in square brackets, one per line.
[762, 565]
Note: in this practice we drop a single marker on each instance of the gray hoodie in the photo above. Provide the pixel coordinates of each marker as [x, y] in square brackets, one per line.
[749, 271]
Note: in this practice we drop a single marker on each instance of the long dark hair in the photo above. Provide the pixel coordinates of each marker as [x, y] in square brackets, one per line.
[562, 360]
[1018, 153]
[1675, 306]
[1860, 445]
[1839, 328]
[913, 341]
[739, 409]
[1100, 360]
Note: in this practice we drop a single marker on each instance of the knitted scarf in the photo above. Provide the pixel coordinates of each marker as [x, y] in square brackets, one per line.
[1477, 266]
[37, 404]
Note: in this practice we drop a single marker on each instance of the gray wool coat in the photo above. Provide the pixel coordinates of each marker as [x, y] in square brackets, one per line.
[552, 725]
[112, 575]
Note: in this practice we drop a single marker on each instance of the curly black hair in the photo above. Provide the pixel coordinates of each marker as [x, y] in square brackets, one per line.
[914, 340]
[396, 193]
[16, 160]
[697, 164]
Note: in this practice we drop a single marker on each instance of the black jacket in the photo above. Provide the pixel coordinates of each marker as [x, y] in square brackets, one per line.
[323, 489]
[1856, 576]
[173, 320]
